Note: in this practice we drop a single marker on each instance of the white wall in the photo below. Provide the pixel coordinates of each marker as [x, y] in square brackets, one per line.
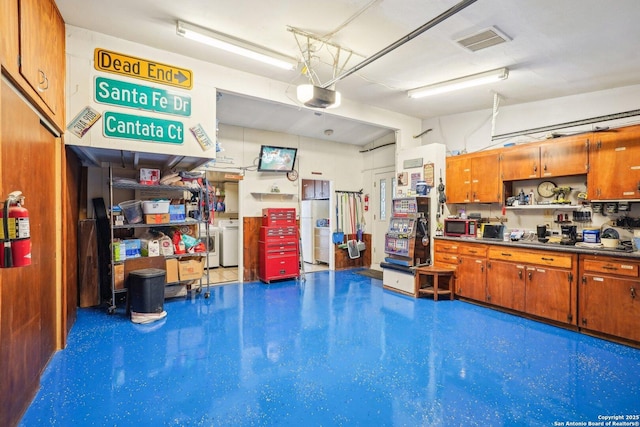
[472, 131]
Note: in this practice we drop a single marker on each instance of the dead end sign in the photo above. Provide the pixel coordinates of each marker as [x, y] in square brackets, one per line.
[145, 69]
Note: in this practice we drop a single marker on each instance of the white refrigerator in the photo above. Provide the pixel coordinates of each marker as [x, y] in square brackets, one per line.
[310, 212]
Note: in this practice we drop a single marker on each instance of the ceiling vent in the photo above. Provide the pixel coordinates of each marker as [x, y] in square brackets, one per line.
[483, 39]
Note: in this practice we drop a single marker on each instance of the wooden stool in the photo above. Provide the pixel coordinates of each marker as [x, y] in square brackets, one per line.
[434, 288]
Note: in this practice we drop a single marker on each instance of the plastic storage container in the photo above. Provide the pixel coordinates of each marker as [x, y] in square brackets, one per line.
[591, 235]
[132, 211]
[150, 207]
[146, 290]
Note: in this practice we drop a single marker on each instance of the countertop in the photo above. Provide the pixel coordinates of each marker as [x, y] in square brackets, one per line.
[546, 246]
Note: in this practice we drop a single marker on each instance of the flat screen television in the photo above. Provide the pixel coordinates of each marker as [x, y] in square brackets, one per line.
[276, 159]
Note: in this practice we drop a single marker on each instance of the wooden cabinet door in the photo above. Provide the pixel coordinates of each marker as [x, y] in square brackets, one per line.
[521, 162]
[614, 164]
[548, 293]
[610, 305]
[506, 284]
[42, 51]
[471, 278]
[565, 156]
[308, 189]
[322, 189]
[458, 189]
[486, 186]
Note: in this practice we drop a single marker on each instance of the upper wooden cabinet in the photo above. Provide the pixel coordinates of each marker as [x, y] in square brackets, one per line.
[565, 156]
[614, 164]
[315, 189]
[558, 157]
[32, 40]
[42, 56]
[474, 178]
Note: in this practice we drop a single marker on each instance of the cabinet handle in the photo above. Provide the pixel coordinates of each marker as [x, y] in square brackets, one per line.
[545, 167]
[547, 259]
[473, 252]
[530, 274]
[535, 168]
[520, 274]
[608, 267]
[504, 254]
[43, 84]
[633, 293]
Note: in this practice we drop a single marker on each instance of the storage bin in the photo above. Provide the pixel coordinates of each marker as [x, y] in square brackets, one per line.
[132, 211]
[177, 213]
[146, 290]
[591, 235]
[150, 207]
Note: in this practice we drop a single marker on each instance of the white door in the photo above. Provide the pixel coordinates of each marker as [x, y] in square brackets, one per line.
[383, 190]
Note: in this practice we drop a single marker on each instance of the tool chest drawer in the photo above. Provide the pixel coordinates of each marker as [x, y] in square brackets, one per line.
[280, 217]
[269, 234]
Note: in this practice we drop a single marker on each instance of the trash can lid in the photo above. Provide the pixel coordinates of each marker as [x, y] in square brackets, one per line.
[148, 272]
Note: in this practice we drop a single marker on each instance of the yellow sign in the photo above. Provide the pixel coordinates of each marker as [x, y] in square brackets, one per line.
[117, 63]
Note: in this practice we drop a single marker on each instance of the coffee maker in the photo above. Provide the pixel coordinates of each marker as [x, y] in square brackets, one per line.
[569, 234]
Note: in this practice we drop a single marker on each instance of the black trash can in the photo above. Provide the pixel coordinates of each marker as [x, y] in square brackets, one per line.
[146, 290]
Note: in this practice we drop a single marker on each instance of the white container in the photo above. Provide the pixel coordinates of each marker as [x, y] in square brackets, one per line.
[609, 243]
[155, 207]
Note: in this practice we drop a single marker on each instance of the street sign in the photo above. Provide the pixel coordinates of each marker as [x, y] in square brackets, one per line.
[145, 69]
[129, 126]
[124, 94]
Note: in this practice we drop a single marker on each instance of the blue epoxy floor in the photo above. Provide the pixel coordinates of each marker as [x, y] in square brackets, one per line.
[337, 350]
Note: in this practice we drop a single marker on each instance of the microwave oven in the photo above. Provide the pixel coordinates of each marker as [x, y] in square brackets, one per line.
[455, 227]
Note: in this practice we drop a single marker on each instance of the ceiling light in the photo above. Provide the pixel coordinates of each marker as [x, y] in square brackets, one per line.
[461, 83]
[234, 45]
[318, 97]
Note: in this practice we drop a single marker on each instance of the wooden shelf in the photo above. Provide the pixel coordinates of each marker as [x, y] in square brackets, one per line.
[429, 291]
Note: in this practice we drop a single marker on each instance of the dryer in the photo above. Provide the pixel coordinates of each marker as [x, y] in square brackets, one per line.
[213, 257]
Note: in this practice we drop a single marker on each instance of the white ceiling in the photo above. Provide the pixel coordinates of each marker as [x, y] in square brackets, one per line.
[557, 48]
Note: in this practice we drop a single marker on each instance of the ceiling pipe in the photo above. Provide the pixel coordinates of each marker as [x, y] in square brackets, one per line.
[415, 33]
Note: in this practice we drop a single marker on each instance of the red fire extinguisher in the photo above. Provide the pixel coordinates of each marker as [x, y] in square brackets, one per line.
[15, 232]
[366, 202]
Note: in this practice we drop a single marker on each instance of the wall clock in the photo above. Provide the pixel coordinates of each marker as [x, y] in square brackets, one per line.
[546, 189]
[292, 175]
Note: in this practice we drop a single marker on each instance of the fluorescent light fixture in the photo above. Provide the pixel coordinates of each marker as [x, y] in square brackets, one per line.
[234, 45]
[461, 83]
[318, 97]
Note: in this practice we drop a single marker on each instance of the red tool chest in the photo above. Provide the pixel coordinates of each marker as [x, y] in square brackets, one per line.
[279, 245]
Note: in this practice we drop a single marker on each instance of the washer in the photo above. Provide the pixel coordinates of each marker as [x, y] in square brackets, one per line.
[228, 242]
[213, 245]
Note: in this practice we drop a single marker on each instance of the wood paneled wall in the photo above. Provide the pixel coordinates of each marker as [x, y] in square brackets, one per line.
[27, 294]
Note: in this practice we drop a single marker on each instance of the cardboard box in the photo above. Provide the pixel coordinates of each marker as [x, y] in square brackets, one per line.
[118, 276]
[149, 176]
[191, 268]
[156, 219]
[171, 265]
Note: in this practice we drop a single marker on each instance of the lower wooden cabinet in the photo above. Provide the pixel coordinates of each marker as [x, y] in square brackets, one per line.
[598, 294]
[471, 272]
[506, 285]
[609, 299]
[540, 283]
